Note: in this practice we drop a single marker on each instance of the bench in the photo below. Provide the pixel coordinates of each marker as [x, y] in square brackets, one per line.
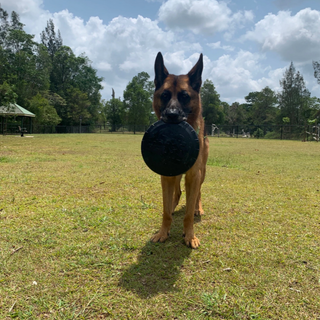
[22, 130]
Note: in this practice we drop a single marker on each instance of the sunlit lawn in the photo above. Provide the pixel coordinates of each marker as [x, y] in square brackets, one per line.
[77, 212]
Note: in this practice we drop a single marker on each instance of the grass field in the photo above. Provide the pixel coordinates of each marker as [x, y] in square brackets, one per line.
[77, 213]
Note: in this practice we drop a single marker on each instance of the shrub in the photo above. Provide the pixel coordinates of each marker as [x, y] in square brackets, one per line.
[258, 133]
[272, 135]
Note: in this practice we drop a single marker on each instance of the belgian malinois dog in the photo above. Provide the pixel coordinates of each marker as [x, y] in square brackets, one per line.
[176, 99]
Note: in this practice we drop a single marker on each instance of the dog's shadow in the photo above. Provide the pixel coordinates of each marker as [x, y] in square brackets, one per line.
[159, 264]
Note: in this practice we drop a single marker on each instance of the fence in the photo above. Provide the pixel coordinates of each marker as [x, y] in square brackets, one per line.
[283, 132]
[13, 129]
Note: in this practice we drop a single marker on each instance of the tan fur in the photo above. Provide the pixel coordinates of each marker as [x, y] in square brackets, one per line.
[194, 177]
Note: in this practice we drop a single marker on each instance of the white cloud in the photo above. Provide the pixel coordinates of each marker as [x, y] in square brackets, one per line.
[125, 43]
[104, 66]
[294, 38]
[201, 16]
[217, 45]
[119, 49]
[236, 76]
[31, 14]
[125, 46]
[24, 8]
[177, 62]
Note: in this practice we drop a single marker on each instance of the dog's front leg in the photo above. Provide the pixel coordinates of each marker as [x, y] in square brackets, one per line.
[193, 180]
[168, 186]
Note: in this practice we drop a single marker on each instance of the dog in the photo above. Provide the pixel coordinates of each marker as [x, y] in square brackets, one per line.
[176, 99]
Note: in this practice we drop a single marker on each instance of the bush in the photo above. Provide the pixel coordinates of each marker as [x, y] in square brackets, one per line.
[258, 133]
[272, 135]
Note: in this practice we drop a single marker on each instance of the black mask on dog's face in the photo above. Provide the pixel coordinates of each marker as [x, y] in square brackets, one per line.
[175, 106]
[174, 92]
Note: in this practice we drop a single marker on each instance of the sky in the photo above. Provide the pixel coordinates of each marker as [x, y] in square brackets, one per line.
[247, 44]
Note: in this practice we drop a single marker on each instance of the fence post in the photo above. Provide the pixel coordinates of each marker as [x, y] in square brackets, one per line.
[281, 132]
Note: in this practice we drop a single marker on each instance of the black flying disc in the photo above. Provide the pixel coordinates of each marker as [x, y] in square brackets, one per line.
[170, 149]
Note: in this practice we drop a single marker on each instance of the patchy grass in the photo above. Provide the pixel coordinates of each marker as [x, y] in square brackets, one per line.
[77, 212]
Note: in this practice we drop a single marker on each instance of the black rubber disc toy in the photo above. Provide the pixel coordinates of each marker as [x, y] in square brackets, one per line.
[170, 149]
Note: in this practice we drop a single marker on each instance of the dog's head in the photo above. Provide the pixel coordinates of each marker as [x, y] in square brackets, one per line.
[176, 98]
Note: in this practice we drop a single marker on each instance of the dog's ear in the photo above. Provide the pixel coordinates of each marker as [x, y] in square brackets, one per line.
[195, 75]
[160, 71]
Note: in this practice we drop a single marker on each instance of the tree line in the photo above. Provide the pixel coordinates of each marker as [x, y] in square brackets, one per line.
[46, 78]
[293, 105]
[60, 87]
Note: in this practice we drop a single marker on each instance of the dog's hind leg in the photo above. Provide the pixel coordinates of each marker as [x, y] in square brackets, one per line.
[193, 180]
[168, 187]
[177, 192]
[198, 208]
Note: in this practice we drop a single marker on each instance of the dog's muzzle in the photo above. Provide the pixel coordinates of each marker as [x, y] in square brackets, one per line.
[173, 115]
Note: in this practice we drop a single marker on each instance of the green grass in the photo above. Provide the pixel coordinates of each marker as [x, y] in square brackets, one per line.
[77, 213]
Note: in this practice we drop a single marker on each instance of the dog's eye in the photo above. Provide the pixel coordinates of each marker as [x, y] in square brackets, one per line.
[184, 96]
[165, 95]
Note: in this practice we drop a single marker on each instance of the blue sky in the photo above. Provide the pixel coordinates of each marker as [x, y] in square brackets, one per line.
[247, 44]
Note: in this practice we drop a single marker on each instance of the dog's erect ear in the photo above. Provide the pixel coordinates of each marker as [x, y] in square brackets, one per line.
[195, 74]
[160, 71]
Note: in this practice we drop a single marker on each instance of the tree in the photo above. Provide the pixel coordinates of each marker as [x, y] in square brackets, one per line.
[45, 113]
[39, 78]
[4, 26]
[235, 114]
[63, 68]
[29, 66]
[70, 73]
[24, 64]
[263, 109]
[315, 101]
[7, 98]
[148, 85]
[50, 40]
[113, 110]
[294, 98]
[15, 22]
[251, 98]
[86, 80]
[7, 95]
[316, 67]
[225, 108]
[313, 112]
[77, 105]
[143, 80]
[212, 110]
[137, 102]
[56, 101]
[32, 69]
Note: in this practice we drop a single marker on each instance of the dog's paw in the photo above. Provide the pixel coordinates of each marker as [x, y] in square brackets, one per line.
[192, 242]
[160, 237]
[198, 212]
